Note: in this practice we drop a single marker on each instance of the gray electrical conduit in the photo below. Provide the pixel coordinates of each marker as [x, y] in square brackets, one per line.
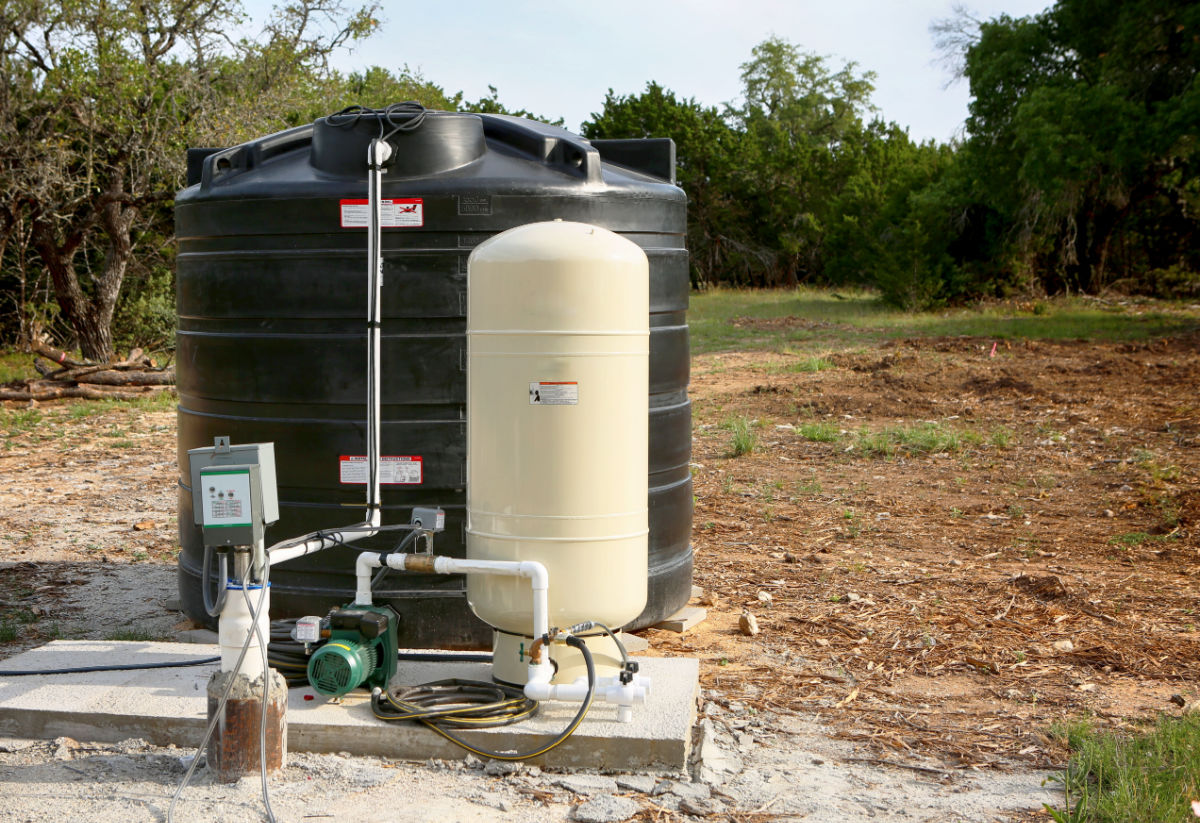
[214, 609]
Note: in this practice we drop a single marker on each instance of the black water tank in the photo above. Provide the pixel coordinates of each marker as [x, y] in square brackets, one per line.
[271, 344]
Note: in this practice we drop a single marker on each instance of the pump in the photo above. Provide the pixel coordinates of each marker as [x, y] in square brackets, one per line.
[361, 651]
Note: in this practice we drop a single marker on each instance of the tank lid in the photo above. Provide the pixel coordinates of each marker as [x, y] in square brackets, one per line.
[443, 141]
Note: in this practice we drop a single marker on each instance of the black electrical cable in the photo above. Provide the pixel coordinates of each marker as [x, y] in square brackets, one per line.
[444, 657]
[127, 667]
[402, 117]
[287, 655]
[436, 708]
[592, 624]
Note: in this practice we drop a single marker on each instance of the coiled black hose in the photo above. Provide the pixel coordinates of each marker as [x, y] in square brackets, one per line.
[457, 704]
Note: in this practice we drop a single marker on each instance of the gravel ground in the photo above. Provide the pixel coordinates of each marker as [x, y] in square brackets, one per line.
[749, 767]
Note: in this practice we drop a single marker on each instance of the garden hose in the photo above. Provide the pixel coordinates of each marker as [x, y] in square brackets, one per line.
[457, 704]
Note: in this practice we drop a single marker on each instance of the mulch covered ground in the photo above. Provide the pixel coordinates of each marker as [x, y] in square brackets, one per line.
[1033, 559]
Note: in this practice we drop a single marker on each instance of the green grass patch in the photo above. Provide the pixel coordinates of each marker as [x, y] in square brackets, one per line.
[743, 319]
[1149, 462]
[15, 365]
[815, 320]
[819, 432]
[811, 488]
[1131, 539]
[1001, 438]
[1150, 778]
[922, 438]
[744, 439]
[16, 421]
[803, 364]
[14, 623]
[149, 402]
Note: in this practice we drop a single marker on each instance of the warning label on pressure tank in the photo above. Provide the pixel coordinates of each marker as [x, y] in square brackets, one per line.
[553, 393]
[408, 212]
[393, 469]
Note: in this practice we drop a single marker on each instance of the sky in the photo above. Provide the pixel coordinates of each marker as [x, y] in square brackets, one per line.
[559, 59]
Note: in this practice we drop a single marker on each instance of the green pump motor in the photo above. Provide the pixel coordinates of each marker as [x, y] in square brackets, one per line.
[361, 650]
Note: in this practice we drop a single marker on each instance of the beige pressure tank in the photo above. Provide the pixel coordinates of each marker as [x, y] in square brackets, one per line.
[558, 354]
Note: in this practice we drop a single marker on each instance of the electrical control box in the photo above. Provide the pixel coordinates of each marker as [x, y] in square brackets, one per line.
[234, 497]
[429, 519]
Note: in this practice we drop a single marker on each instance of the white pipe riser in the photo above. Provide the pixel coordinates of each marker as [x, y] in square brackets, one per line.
[235, 624]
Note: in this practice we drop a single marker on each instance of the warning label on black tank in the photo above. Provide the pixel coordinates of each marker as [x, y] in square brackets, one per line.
[407, 212]
[396, 470]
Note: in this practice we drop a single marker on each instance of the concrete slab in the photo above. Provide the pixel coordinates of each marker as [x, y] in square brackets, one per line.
[633, 643]
[684, 619]
[167, 706]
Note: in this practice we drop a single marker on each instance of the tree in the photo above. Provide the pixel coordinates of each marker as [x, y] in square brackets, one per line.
[1083, 137]
[953, 37]
[884, 227]
[101, 102]
[705, 150]
[796, 118]
[492, 105]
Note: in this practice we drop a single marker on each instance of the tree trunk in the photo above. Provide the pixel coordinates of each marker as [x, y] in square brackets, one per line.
[129, 378]
[117, 220]
[59, 260]
[80, 392]
[90, 316]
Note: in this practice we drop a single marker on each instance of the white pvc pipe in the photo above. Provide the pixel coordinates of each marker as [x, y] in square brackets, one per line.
[535, 572]
[538, 685]
[377, 154]
[290, 549]
[236, 624]
[367, 561]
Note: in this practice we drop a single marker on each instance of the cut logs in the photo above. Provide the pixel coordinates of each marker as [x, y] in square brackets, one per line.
[66, 376]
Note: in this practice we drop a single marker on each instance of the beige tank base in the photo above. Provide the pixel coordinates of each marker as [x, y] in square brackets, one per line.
[510, 659]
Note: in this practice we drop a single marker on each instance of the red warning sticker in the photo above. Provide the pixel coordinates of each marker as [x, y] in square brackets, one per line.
[394, 470]
[407, 212]
[554, 393]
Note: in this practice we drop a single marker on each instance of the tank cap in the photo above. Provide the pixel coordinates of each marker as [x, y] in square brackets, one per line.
[445, 141]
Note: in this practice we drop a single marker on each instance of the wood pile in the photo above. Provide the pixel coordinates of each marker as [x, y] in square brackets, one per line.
[64, 376]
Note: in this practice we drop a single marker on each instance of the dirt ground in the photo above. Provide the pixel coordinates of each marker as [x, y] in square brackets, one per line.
[953, 603]
[938, 607]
